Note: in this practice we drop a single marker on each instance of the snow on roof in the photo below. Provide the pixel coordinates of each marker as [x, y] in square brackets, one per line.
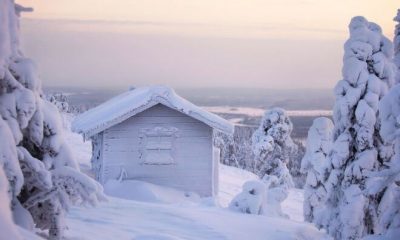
[137, 100]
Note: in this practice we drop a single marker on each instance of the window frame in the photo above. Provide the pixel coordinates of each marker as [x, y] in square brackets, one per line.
[146, 134]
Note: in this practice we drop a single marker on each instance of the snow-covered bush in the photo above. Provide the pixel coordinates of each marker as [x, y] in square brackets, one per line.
[316, 165]
[237, 151]
[275, 195]
[44, 179]
[261, 198]
[396, 45]
[368, 73]
[251, 200]
[272, 146]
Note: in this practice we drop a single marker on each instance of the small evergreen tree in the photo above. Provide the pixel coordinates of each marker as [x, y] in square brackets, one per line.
[242, 147]
[225, 144]
[272, 146]
[294, 164]
[316, 165]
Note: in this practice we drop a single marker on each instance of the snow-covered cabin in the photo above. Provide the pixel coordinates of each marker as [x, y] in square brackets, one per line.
[152, 134]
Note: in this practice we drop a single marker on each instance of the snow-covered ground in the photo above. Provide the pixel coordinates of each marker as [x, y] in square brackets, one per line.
[159, 213]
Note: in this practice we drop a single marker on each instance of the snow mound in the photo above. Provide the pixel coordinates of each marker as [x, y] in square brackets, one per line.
[251, 200]
[147, 192]
[231, 181]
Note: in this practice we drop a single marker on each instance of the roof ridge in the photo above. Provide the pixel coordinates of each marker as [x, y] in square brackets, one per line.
[132, 102]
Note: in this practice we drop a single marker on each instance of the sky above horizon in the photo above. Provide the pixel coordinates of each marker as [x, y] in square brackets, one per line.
[208, 43]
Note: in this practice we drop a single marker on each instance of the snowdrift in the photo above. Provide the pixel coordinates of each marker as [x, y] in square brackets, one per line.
[147, 192]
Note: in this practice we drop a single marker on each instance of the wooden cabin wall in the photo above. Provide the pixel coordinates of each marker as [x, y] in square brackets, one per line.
[193, 165]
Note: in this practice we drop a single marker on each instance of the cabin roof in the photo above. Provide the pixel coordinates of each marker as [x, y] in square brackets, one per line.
[132, 102]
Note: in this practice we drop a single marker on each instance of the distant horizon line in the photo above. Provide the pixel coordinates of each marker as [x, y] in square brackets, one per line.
[183, 88]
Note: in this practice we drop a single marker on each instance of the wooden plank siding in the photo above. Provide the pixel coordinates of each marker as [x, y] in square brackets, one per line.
[193, 156]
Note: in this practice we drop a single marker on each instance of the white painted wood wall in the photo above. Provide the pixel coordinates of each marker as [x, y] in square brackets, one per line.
[196, 164]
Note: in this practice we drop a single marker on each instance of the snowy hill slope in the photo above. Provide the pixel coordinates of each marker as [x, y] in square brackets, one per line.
[127, 219]
[124, 219]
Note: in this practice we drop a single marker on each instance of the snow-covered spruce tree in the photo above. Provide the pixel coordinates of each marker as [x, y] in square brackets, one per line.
[368, 73]
[8, 183]
[242, 147]
[44, 180]
[225, 143]
[316, 165]
[294, 164]
[386, 181]
[272, 146]
[396, 44]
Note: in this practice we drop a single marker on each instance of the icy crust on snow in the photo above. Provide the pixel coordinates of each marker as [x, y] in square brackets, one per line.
[135, 101]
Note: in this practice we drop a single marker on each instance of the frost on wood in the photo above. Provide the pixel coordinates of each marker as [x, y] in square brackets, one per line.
[316, 165]
[96, 160]
[368, 74]
[272, 146]
[44, 179]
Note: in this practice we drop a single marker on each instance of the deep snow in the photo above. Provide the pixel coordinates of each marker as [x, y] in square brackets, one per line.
[156, 216]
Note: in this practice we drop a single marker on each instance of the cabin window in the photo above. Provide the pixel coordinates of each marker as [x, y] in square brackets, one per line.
[157, 145]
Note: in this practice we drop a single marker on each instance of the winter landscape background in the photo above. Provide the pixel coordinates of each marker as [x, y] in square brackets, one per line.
[292, 130]
[243, 106]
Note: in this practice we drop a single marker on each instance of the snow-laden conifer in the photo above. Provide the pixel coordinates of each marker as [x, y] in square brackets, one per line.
[396, 45]
[316, 165]
[272, 146]
[385, 183]
[368, 74]
[44, 179]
